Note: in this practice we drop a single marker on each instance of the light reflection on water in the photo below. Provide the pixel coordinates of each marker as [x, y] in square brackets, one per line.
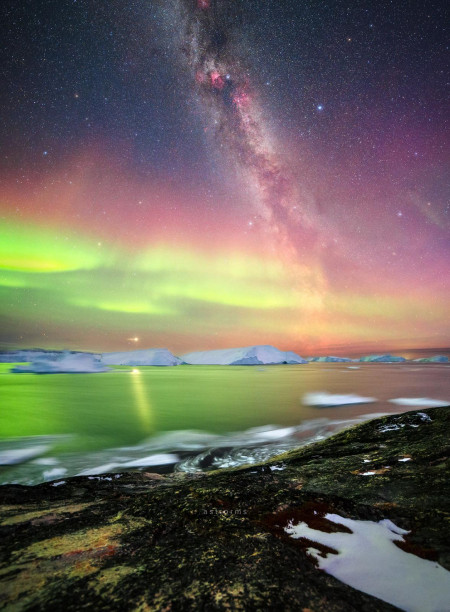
[141, 394]
[108, 415]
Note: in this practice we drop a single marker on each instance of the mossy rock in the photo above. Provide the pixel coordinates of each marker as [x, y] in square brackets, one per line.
[216, 541]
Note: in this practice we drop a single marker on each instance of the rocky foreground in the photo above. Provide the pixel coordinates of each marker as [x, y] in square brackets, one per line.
[223, 540]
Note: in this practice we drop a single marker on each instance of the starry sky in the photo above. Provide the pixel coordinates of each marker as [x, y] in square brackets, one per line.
[198, 174]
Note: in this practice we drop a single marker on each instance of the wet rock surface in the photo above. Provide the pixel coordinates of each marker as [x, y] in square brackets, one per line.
[218, 541]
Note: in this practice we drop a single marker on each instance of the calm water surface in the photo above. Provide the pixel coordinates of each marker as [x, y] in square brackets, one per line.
[80, 420]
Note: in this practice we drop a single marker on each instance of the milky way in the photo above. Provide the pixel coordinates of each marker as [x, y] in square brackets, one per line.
[225, 87]
[225, 90]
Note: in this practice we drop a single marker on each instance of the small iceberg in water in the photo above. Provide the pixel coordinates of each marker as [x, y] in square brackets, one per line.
[422, 402]
[11, 456]
[322, 399]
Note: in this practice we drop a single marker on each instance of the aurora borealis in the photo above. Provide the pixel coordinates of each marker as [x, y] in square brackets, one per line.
[199, 174]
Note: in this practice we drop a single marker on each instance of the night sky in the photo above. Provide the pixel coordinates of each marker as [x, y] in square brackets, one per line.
[197, 174]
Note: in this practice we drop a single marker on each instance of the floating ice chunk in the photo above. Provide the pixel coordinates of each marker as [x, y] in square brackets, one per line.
[101, 469]
[368, 560]
[54, 473]
[322, 398]
[59, 483]
[184, 439]
[419, 401]
[270, 433]
[46, 461]
[159, 459]
[12, 456]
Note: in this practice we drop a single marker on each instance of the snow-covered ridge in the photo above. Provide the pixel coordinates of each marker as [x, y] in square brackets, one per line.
[248, 355]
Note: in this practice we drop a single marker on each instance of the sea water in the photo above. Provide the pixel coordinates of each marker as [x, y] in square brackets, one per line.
[192, 418]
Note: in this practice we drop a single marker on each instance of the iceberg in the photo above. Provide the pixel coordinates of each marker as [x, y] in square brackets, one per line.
[383, 359]
[143, 357]
[248, 355]
[434, 359]
[292, 358]
[331, 359]
[63, 363]
[27, 355]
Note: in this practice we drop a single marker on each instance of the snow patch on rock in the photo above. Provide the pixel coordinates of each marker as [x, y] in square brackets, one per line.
[368, 560]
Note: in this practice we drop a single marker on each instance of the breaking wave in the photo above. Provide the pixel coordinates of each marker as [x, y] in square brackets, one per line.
[32, 460]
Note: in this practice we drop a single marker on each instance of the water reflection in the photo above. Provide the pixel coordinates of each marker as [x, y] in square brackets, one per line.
[142, 401]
